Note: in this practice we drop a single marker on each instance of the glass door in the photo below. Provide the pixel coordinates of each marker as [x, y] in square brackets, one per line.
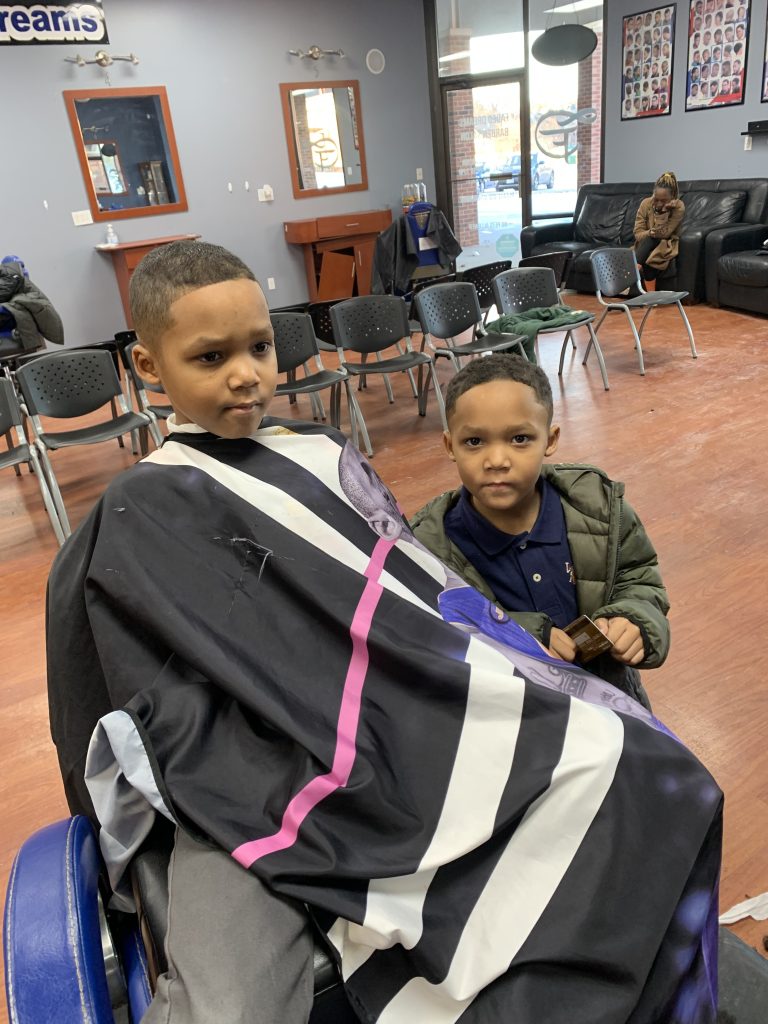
[485, 150]
[566, 104]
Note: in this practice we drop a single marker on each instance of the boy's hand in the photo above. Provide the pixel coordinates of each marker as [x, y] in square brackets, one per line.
[561, 646]
[626, 638]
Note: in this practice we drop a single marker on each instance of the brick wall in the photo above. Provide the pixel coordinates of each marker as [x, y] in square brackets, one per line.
[590, 95]
[461, 134]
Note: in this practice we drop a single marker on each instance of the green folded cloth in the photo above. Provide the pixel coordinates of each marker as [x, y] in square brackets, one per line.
[531, 322]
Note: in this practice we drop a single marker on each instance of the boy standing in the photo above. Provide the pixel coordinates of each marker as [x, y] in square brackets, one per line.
[546, 543]
[247, 634]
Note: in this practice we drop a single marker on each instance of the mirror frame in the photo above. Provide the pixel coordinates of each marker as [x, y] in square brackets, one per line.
[71, 96]
[309, 193]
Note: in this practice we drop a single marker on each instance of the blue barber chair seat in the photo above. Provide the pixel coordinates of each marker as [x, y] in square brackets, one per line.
[68, 961]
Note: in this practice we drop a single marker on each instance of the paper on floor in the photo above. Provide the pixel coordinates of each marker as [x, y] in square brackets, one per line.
[756, 907]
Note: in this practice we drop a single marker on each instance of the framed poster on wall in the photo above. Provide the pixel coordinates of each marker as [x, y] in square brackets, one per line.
[718, 32]
[648, 45]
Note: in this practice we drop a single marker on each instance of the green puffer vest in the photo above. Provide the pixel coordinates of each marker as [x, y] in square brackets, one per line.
[616, 567]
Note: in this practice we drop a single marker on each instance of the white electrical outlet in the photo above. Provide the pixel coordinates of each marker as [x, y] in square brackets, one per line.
[271, 283]
[261, 195]
[269, 194]
[419, 174]
[747, 143]
[80, 217]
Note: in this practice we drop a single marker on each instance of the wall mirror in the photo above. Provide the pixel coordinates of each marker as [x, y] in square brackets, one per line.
[127, 151]
[324, 133]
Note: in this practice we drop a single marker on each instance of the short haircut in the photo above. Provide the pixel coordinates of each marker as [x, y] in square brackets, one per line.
[500, 366]
[170, 271]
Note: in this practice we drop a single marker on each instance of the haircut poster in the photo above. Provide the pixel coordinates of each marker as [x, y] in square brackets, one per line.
[648, 40]
[718, 31]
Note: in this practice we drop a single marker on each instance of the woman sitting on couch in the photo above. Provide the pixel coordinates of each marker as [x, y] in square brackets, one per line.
[656, 229]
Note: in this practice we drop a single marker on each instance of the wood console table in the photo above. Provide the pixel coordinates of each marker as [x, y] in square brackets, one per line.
[126, 256]
[338, 251]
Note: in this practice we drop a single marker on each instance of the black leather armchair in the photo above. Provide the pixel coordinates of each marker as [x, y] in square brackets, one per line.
[743, 290]
[605, 216]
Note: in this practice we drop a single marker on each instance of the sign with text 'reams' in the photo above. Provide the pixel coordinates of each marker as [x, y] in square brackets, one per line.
[40, 24]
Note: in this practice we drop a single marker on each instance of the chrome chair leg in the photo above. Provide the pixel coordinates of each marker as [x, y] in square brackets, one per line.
[387, 385]
[120, 442]
[351, 410]
[694, 353]
[318, 409]
[638, 344]
[599, 352]
[9, 439]
[50, 507]
[645, 317]
[50, 479]
[361, 421]
[336, 406]
[438, 394]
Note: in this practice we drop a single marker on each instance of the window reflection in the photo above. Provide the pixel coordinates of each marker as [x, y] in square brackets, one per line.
[104, 165]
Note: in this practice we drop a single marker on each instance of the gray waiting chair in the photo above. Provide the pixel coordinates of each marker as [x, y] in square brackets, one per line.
[482, 278]
[517, 291]
[448, 311]
[139, 387]
[620, 290]
[320, 312]
[296, 346]
[21, 452]
[65, 385]
[370, 324]
[557, 261]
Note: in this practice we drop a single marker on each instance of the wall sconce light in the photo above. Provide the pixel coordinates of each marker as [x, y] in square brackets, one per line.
[315, 53]
[102, 58]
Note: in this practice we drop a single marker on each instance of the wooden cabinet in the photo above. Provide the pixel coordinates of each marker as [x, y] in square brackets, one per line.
[126, 256]
[338, 251]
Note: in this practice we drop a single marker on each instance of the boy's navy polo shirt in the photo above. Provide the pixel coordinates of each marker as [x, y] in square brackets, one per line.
[527, 572]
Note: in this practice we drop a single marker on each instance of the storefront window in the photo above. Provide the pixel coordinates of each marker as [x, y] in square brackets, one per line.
[486, 155]
[565, 104]
[475, 36]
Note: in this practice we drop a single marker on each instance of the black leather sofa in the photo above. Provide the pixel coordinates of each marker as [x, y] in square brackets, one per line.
[605, 216]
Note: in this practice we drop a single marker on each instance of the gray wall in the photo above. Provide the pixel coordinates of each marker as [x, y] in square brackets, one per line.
[697, 144]
[221, 64]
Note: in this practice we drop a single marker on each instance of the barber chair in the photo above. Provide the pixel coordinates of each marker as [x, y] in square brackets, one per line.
[68, 960]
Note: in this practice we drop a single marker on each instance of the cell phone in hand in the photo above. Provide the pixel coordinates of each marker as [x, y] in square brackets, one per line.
[589, 640]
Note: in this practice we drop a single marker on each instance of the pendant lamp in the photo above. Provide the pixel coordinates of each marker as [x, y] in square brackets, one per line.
[564, 44]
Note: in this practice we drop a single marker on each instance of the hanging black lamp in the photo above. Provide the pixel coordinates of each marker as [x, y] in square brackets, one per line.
[564, 44]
